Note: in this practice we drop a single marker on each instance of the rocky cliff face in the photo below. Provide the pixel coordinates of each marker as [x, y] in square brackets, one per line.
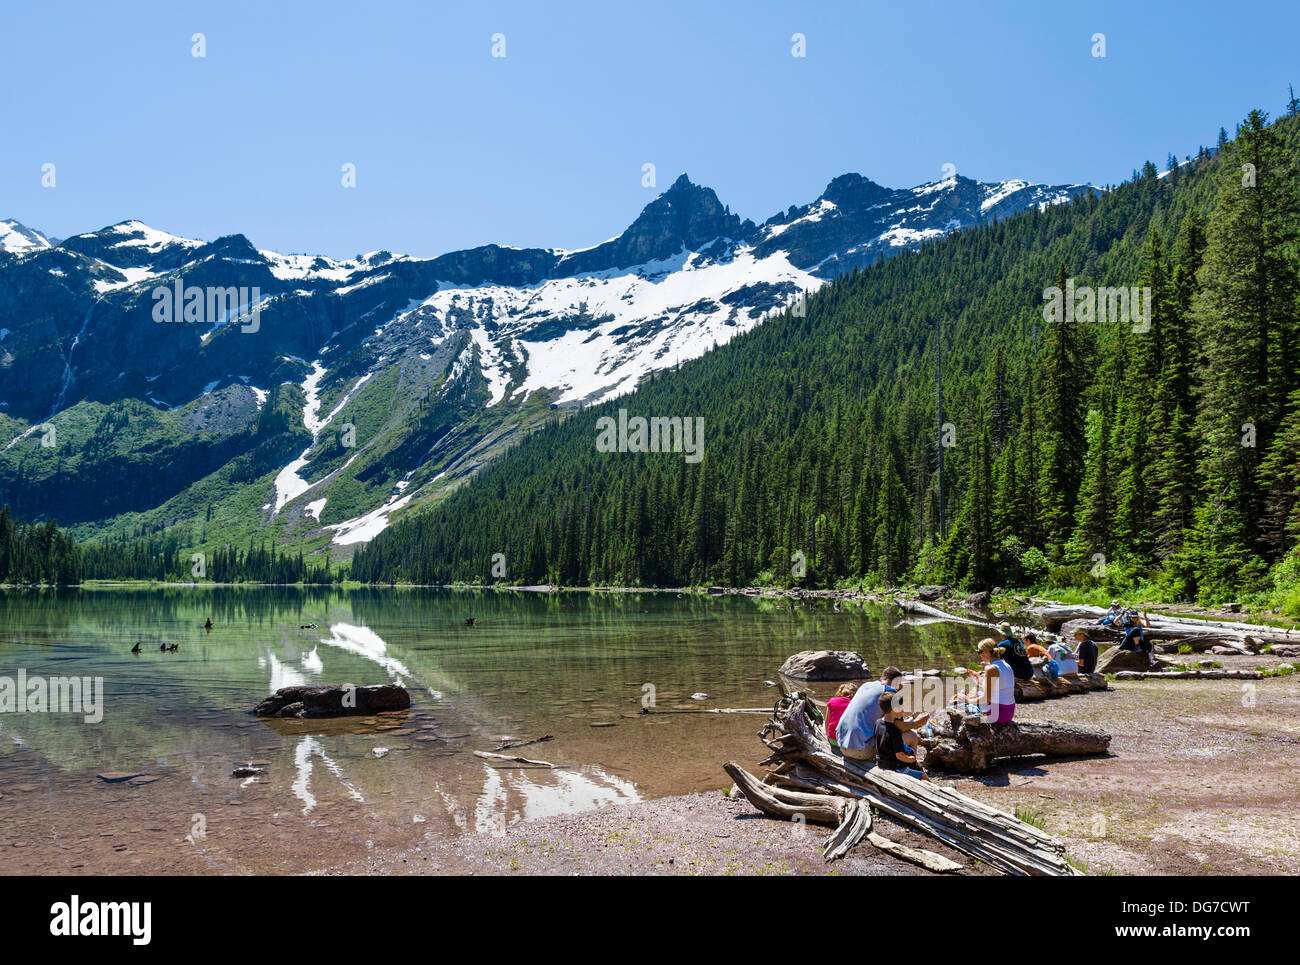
[406, 373]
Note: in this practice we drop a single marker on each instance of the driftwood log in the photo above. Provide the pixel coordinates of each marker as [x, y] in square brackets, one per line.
[967, 744]
[1190, 675]
[1062, 619]
[1040, 686]
[801, 760]
[510, 759]
[850, 817]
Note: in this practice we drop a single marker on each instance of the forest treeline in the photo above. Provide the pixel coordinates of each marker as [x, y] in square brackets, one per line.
[165, 560]
[1163, 449]
[37, 552]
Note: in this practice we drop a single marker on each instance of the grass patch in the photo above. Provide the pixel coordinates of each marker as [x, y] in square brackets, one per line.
[1031, 817]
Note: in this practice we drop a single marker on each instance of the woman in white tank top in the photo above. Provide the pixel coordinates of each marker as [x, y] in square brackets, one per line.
[997, 697]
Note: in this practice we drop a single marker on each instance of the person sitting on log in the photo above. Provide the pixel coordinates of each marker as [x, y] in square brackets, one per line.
[893, 752]
[1112, 614]
[1133, 625]
[1016, 655]
[836, 706]
[1063, 656]
[996, 700]
[856, 731]
[1085, 651]
[1033, 647]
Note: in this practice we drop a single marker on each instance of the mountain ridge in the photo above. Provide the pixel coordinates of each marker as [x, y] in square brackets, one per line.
[437, 364]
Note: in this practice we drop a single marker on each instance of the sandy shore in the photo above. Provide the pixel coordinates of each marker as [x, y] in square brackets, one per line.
[693, 834]
[1202, 779]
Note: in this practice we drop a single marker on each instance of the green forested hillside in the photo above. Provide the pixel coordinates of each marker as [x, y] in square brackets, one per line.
[1076, 452]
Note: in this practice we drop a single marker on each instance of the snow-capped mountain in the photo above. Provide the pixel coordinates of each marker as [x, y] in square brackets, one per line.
[18, 239]
[404, 373]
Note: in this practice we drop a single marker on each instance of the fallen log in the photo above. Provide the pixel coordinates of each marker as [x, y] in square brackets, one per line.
[507, 759]
[512, 743]
[1190, 675]
[1040, 686]
[1163, 626]
[968, 745]
[802, 760]
[926, 859]
[851, 818]
[924, 609]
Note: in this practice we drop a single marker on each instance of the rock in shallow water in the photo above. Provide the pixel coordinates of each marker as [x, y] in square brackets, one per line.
[334, 700]
[826, 665]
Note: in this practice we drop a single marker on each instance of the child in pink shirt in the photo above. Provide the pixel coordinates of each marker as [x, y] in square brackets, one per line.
[836, 706]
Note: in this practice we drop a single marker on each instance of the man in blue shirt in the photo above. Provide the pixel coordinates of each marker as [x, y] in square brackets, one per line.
[856, 733]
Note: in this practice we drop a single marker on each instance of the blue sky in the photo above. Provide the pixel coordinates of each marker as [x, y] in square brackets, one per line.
[545, 146]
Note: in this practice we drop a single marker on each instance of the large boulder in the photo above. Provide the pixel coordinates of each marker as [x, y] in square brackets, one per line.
[979, 599]
[1115, 660]
[826, 665]
[334, 700]
[931, 593]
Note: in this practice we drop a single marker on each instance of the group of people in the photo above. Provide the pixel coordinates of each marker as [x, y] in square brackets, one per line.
[865, 724]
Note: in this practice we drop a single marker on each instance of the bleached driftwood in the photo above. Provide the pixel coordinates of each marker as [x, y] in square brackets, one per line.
[851, 819]
[802, 760]
[507, 759]
[1190, 675]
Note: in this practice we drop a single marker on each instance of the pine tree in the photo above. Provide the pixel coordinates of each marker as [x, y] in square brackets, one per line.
[1246, 314]
[1061, 468]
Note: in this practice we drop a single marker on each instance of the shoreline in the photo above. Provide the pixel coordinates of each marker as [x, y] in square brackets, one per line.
[1201, 788]
[1000, 604]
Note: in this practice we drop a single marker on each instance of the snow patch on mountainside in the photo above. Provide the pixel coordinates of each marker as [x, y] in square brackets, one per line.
[623, 324]
[19, 239]
[365, 528]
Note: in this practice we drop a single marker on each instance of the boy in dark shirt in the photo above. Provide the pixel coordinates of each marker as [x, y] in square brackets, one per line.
[892, 753]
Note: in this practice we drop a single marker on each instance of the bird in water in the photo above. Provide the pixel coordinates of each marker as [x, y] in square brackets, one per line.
[136, 648]
[208, 625]
[162, 646]
[308, 626]
[470, 621]
[174, 647]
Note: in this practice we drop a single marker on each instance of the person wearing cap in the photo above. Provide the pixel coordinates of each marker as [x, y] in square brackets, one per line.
[1112, 614]
[1016, 655]
[1085, 651]
[1133, 625]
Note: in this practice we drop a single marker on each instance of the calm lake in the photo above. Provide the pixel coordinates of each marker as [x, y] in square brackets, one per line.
[574, 665]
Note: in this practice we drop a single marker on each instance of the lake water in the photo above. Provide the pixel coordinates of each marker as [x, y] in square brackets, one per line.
[573, 665]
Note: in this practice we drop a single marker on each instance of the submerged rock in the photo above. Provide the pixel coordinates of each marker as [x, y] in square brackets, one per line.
[334, 700]
[826, 665]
